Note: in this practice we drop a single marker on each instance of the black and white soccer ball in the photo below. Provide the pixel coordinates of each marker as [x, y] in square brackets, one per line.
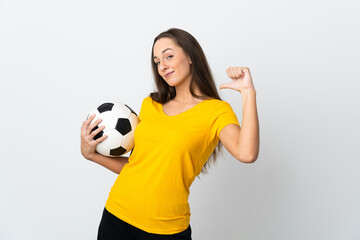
[120, 122]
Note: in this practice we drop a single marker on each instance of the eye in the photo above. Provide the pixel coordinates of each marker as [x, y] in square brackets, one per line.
[170, 56]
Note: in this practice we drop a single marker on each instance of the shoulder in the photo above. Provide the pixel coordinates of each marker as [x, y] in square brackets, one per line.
[216, 104]
[145, 106]
[147, 100]
[148, 104]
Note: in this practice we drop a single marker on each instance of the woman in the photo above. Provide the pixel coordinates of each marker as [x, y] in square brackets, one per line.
[180, 126]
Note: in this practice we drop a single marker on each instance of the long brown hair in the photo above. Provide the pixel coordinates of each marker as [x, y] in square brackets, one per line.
[199, 70]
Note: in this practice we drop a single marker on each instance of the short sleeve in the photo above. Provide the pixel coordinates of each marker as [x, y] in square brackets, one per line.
[223, 116]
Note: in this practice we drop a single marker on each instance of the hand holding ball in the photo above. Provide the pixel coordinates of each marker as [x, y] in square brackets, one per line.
[120, 122]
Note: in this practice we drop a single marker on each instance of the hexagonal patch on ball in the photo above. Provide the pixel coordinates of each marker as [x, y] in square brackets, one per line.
[123, 126]
[117, 151]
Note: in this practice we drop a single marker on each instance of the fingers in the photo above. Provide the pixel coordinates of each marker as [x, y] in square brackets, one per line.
[93, 125]
[90, 127]
[96, 131]
[87, 129]
[88, 144]
[236, 72]
[86, 123]
[239, 72]
[233, 73]
[99, 140]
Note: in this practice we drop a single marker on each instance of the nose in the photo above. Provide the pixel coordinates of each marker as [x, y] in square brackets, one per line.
[163, 66]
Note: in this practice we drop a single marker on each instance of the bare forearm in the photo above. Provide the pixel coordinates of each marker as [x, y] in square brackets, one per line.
[249, 133]
[113, 164]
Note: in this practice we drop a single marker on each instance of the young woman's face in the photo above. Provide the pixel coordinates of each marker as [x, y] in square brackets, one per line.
[172, 63]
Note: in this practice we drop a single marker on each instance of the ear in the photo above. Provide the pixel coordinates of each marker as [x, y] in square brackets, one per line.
[189, 60]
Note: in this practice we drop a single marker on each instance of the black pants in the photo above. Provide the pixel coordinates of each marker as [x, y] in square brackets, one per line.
[112, 228]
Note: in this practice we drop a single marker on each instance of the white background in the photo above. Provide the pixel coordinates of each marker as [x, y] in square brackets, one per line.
[60, 59]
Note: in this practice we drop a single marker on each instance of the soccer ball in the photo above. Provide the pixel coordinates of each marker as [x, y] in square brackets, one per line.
[120, 122]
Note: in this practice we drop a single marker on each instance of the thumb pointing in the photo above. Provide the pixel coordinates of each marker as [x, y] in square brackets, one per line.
[224, 85]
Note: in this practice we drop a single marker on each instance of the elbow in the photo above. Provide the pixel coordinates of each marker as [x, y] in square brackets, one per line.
[247, 159]
[251, 160]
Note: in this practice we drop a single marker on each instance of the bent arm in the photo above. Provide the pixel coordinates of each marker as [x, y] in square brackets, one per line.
[115, 164]
[243, 142]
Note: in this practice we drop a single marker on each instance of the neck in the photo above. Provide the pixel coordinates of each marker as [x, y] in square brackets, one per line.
[183, 94]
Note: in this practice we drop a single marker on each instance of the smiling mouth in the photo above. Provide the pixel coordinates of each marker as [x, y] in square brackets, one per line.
[169, 74]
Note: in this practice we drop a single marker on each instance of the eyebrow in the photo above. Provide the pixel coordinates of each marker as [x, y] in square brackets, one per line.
[163, 51]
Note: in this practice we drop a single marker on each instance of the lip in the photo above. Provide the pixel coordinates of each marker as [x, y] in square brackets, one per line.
[169, 74]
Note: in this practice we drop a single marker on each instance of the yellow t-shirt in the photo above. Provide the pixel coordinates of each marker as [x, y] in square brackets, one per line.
[152, 190]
